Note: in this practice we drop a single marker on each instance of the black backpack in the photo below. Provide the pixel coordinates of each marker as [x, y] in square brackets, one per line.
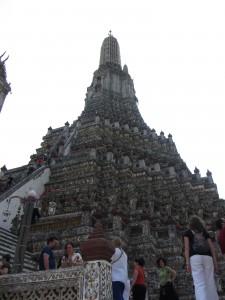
[200, 244]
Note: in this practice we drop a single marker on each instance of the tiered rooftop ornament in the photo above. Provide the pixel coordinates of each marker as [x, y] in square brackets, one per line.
[97, 247]
[4, 85]
[114, 167]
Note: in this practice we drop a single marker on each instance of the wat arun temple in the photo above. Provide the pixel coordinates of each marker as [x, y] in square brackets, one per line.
[110, 166]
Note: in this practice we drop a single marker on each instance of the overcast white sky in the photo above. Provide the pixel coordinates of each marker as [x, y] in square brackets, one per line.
[175, 52]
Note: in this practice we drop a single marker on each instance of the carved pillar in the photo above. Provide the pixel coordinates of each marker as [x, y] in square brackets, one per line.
[85, 220]
[109, 156]
[116, 125]
[172, 231]
[107, 122]
[141, 163]
[97, 119]
[157, 167]
[162, 136]
[117, 223]
[126, 160]
[135, 129]
[93, 153]
[145, 228]
[170, 138]
[172, 171]
[145, 132]
[209, 176]
[97, 280]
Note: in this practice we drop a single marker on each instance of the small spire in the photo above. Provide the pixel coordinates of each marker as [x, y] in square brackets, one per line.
[209, 173]
[4, 168]
[110, 32]
[196, 170]
[125, 69]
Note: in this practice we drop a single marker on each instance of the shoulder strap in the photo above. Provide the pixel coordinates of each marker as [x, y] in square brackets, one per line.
[119, 257]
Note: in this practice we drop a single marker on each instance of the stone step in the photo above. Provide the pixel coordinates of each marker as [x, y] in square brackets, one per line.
[11, 240]
[7, 233]
[29, 263]
[8, 242]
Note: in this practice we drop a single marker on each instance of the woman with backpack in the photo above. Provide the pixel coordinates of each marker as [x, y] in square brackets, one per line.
[201, 260]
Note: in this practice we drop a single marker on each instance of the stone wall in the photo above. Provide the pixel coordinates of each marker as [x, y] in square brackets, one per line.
[91, 281]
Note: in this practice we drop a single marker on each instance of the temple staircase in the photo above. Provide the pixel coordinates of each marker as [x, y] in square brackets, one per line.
[22, 179]
[8, 242]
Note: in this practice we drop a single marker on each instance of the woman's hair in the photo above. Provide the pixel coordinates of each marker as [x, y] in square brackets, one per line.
[7, 257]
[118, 243]
[69, 243]
[140, 261]
[196, 224]
[158, 261]
[219, 223]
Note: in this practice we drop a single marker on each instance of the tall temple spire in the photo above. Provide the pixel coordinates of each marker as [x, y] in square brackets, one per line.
[110, 51]
[4, 86]
[112, 89]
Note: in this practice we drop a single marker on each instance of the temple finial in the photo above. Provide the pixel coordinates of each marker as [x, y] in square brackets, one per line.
[110, 51]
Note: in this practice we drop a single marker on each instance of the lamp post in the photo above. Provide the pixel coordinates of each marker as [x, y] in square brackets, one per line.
[24, 233]
[6, 212]
[5, 215]
[24, 227]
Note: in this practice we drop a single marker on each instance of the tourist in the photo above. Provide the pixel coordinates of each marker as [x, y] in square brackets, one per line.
[61, 149]
[220, 225]
[2, 185]
[119, 271]
[47, 260]
[40, 162]
[9, 182]
[166, 279]
[36, 214]
[5, 265]
[201, 260]
[48, 158]
[71, 258]
[138, 286]
[30, 169]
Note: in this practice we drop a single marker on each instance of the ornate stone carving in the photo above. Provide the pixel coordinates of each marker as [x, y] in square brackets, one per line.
[56, 284]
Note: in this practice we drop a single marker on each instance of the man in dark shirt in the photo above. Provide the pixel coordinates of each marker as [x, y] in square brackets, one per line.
[47, 260]
[5, 267]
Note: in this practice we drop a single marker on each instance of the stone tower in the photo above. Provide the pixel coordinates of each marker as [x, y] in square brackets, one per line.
[110, 165]
[4, 86]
